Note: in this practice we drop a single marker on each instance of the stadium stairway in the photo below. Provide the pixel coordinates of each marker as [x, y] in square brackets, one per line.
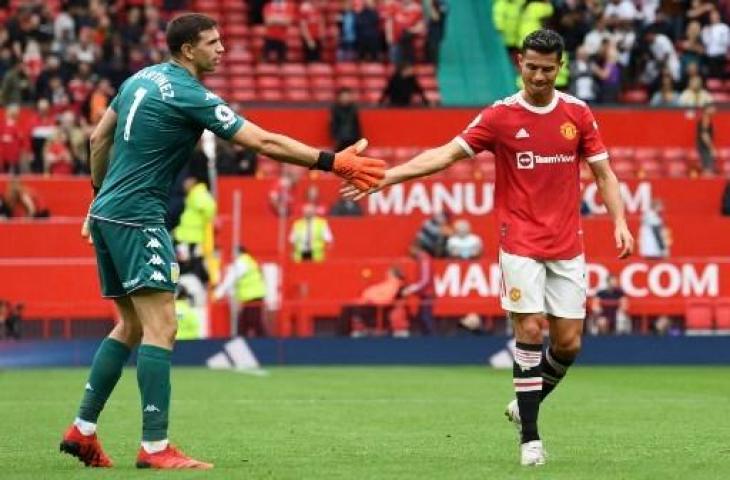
[474, 67]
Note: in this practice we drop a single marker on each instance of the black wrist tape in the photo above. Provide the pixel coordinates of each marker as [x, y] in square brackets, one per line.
[325, 161]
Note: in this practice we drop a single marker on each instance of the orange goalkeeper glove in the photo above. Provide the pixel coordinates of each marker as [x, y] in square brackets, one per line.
[362, 172]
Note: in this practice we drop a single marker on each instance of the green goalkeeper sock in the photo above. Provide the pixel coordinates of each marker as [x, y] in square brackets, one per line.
[105, 372]
[153, 378]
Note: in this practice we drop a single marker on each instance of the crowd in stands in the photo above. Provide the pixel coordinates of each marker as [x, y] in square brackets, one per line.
[674, 52]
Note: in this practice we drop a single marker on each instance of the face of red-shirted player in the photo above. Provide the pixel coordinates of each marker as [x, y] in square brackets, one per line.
[539, 71]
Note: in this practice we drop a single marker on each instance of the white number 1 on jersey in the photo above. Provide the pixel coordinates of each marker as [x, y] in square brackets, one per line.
[138, 96]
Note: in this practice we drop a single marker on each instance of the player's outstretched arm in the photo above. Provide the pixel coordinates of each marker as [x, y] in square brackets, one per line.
[363, 172]
[101, 141]
[425, 163]
[608, 187]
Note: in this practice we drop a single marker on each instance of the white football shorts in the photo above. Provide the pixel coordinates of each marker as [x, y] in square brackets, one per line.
[555, 287]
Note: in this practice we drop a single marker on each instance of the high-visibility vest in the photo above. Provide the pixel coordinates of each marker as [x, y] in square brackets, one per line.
[506, 16]
[199, 211]
[316, 242]
[532, 17]
[188, 322]
[250, 286]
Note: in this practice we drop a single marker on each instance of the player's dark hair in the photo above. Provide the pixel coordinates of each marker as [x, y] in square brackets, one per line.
[544, 41]
[186, 28]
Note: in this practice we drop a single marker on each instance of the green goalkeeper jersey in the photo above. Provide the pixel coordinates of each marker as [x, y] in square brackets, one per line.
[161, 112]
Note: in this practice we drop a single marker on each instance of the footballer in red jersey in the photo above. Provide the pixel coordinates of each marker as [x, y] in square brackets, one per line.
[538, 137]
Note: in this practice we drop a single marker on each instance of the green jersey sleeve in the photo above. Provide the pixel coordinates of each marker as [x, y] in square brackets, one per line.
[210, 111]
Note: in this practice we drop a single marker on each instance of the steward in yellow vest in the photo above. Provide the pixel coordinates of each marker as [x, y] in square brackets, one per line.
[310, 236]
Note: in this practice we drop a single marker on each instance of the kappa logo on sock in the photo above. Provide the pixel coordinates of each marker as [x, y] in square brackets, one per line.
[89, 387]
[150, 408]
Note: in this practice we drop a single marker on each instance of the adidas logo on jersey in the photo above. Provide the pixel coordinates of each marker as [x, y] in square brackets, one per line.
[153, 243]
[522, 133]
[157, 277]
[150, 408]
[155, 260]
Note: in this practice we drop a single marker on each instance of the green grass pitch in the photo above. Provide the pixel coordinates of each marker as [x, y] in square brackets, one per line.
[385, 423]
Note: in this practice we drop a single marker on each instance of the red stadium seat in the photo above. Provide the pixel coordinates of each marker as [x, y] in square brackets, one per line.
[372, 70]
[267, 69]
[293, 69]
[624, 168]
[636, 96]
[322, 83]
[245, 82]
[714, 85]
[621, 152]
[698, 315]
[348, 82]
[722, 314]
[242, 95]
[323, 95]
[346, 68]
[385, 153]
[297, 95]
[462, 170]
[676, 168]
[370, 96]
[237, 30]
[216, 82]
[296, 82]
[239, 55]
[428, 82]
[319, 69]
[425, 69]
[374, 83]
[650, 168]
[434, 97]
[674, 153]
[268, 82]
[270, 95]
[238, 69]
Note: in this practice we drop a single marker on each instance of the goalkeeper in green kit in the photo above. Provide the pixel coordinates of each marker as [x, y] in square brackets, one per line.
[137, 149]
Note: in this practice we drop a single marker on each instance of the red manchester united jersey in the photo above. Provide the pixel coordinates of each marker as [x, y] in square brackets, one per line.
[537, 191]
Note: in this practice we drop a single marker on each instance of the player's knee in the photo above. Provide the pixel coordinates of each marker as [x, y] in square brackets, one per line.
[131, 332]
[161, 332]
[567, 347]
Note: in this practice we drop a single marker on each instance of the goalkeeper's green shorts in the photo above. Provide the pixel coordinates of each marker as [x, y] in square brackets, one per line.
[130, 258]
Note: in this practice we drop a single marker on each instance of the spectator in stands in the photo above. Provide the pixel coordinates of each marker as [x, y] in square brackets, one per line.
[188, 320]
[77, 140]
[700, 10]
[42, 127]
[506, 17]
[607, 72]
[401, 88]
[85, 50]
[245, 284]
[434, 235]
[58, 94]
[20, 201]
[347, 46]
[310, 236]
[99, 100]
[256, 11]
[706, 140]
[463, 244]
[582, 76]
[595, 37]
[423, 289]
[407, 23]
[192, 231]
[381, 300]
[13, 141]
[609, 309]
[620, 12]
[4, 313]
[312, 28]
[344, 120]
[281, 197]
[16, 86]
[57, 157]
[278, 16]
[311, 197]
[666, 96]
[233, 159]
[692, 47]
[664, 325]
[345, 207]
[716, 39]
[435, 29]
[661, 54]
[654, 237]
[535, 15]
[13, 322]
[695, 95]
[367, 32]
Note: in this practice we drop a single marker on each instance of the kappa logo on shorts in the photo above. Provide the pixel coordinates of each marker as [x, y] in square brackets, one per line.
[157, 277]
[155, 260]
[153, 243]
[515, 294]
